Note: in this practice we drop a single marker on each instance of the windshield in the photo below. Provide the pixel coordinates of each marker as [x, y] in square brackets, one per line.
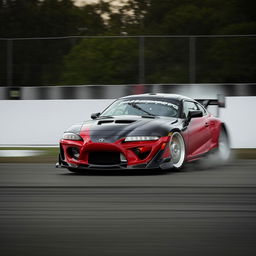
[141, 107]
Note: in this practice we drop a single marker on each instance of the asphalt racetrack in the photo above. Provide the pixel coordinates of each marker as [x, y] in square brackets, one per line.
[200, 211]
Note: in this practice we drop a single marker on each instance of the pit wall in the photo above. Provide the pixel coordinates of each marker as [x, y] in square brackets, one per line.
[42, 122]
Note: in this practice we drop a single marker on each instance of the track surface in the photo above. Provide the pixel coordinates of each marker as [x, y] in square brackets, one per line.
[48, 211]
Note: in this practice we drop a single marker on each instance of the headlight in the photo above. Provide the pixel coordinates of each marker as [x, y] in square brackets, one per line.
[71, 136]
[141, 138]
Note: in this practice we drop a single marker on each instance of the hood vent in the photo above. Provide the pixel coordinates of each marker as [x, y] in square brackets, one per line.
[124, 121]
[105, 122]
[102, 122]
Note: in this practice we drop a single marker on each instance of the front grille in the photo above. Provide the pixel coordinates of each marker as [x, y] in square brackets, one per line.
[104, 158]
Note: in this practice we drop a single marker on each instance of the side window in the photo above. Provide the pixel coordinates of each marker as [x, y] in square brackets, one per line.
[189, 106]
[202, 109]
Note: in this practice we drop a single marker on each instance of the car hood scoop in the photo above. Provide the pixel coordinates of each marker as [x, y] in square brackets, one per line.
[121, 121]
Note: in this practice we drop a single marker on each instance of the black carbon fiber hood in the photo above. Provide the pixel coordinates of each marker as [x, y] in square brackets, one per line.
[113, 129]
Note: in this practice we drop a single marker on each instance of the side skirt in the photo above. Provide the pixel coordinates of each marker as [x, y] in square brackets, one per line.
[200, 156]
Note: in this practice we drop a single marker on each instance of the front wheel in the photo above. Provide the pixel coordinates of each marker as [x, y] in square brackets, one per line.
[177, 149]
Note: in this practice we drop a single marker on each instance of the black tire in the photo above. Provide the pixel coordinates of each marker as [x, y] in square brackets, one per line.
[223, 151]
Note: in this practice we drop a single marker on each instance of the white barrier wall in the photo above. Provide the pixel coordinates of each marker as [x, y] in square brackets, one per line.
[239, 115]
[42, 122]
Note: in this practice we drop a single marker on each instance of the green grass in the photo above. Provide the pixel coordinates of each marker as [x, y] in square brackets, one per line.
[244, 153]
[50, 155]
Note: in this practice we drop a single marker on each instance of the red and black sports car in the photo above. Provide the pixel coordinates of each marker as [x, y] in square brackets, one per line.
[144, 131]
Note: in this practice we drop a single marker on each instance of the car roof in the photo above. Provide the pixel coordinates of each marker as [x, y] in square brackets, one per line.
[158, 96]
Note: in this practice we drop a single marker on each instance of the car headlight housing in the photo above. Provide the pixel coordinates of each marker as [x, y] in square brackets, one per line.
[71, 136]
[141, 138]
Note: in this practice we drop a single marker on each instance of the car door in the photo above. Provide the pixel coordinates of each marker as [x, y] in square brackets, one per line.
[198, 131]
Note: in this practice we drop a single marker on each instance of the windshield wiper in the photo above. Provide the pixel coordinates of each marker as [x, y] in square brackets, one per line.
[139, 108]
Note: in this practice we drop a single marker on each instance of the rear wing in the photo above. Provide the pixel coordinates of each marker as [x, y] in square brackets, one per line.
[220, 101]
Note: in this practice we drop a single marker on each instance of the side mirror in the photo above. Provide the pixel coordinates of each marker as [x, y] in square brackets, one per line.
[194, 114]
[95, 115]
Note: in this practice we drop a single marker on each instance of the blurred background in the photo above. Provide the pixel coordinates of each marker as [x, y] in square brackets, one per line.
[53, 42]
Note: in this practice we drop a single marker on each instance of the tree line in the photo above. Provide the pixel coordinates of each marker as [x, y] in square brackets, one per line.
[75, 61]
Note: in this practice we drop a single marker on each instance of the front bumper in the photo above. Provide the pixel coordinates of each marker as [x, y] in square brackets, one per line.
[164, 165]
[157, 158]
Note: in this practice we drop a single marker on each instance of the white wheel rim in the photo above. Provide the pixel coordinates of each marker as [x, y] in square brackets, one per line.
[177, 148]
[224, 150]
